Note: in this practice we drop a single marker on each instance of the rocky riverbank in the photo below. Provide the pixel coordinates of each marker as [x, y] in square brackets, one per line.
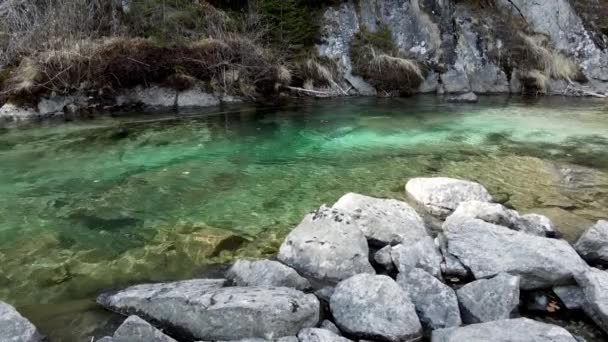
[452, 269]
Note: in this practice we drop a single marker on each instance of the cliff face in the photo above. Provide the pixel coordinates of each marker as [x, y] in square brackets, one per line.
[504, 46]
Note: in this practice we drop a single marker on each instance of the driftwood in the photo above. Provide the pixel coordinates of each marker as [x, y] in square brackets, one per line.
[578, 91]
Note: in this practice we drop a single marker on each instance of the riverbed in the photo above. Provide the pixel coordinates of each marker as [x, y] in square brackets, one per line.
[96, 204]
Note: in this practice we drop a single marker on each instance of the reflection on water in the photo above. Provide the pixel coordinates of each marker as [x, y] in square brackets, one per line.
[88, 206]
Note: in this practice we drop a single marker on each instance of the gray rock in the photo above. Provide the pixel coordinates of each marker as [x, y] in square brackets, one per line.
[216, 313]
[383, 221]
[319, 335]
[423, 254]
[135, 329]
[374, 306]
[469, 97]
[287, 339]
[196, 98]
[572, 296]
[593, 244]
[451, 266]
[436, 303]
[153, 97]
[12, 112]
[16, 328]
[487, 249]
[508, 330]
[440, 196]
[384, 258]
[327, 246]
[430, 83]
[487, 300]
[265, 273]
[325, 293]
[105, 339]
[594, 283]
[455, 82]
[497, 214]
[328, 325]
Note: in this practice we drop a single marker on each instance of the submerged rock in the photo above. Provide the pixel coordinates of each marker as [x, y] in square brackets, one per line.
[435, 302]
[508, 330]
[374, 306]
[14, 327]
[135, 329]
[423, 254]
[487, 300]
[594, 283]
[440, 196]
[265, 273]
[593, 244]
[216, 313]
[469, 97]
[327, 246]
[320, 335]
[487, 250]
[383, 221]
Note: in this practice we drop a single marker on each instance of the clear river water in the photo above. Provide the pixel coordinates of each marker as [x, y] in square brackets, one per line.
[92, 205]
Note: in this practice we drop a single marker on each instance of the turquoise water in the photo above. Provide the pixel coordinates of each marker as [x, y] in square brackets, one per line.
[92, 205]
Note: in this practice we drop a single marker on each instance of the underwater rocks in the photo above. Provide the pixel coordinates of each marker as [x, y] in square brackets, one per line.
[218, 313]
[469, 97]
[487, 249]
[508, 330]
[593, 244]
[14, 327]
[374, 306]
[440, 196]
[328, 246]
[383, 221]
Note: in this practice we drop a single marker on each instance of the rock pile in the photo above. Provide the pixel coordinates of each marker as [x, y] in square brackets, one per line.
[324, 288]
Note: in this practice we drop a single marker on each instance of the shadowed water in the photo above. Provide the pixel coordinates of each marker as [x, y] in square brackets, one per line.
[93, 205]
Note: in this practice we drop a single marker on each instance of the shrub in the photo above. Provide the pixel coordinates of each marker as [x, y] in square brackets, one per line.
[376, 58]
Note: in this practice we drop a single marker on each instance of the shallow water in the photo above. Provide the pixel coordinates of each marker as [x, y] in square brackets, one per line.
[92, 205]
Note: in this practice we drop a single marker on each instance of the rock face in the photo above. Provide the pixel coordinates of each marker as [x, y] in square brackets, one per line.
[435, 302]
[383, 221]
[440, 196]
[594, 283]
[508, 330]
[488, 300]
[374, 306]
[216, 313]
[497, 214]
[319, 335]
[136, 329]
[593, 244]
[423, 254]
[265, 273]
[15, 328]
[487, 249]
[327, 246]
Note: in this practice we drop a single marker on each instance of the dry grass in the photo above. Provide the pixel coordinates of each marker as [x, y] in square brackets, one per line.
[317, 71]
[539, 55]
[535, 81]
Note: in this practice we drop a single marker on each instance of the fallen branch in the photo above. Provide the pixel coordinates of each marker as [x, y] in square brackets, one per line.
[313, 92]
[583, 92]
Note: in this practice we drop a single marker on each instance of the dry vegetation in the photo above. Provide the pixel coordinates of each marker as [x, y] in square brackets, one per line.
[376, 58]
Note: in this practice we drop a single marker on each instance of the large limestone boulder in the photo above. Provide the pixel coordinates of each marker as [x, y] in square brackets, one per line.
[383, 221]
[135, 329]
[320, 335]
[376, 307]
[435, 302]
[594, 283]
[593, 244]
[423, 254]
[203, 309]
[572, 296]
[265, 273]
[498, 214]
[440, 196]
[327, 246]
[488, 300]
[487, 250]
[507, 330]
[16, 328]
